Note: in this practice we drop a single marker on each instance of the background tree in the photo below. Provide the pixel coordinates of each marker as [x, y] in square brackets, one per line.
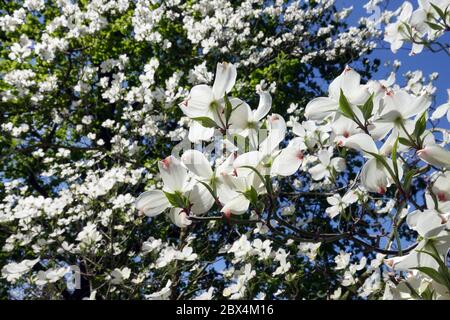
[90, 93]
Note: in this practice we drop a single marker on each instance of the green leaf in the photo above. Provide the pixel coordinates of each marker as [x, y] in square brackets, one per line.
[267, 182]
[434, 26]
[435, 200]
[367, 108]
[228, 109]
[413, 291]
[252, 196]
[428, 293]
[176, 199]
[433, 274]
[394, 157]
[408, 179]
[208, 187]
[344, 106]
[206, 122]
[405, 142]
[435, 254]
[383, 161]
[420, 126]
[439, 11]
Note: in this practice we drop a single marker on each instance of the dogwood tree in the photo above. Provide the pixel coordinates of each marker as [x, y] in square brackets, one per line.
[189, 150]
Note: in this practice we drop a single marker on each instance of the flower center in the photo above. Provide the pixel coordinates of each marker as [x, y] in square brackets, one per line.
[251, 125]
[213, 105]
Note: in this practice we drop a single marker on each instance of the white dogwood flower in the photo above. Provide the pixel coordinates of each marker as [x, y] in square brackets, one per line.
[338, 203]
[350, 84]
[395, 33]
[324, 169]
[375, 177]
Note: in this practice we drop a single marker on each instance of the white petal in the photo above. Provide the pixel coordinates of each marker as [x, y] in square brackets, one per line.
[334, 201]
[344, 126]
[361, 142]
[378, 130]
[238, 205]
[440, 111]
[320, 108]
[435, 155]
[179, 218]
[390, 116]
[226, 167]
[287, 162]
[388, 145]
[252, 159]
[374, 176]
[198, 133]
[173, 174]
[198, 103]
[277, 133]
[407, 10]
[201, 199]
[225, 190]
[427, 223]
[333, 211]
[413, 260]
[298, 129]
[225, 79]
[197, 163]
[352, 88]
[350, 197]
[418, 106]
[441, 186]
[241, 116]
[338, 164]
[318, 172]
[334, 89]
[324, 156]
[265, 103]
[152, 202]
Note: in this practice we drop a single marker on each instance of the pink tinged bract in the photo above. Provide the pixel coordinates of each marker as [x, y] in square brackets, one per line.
[173, 174]
[179, 217]
[435, 155]
[198, 102]
[374, 176]
[238, 205]
[427, 223]
[287, 162]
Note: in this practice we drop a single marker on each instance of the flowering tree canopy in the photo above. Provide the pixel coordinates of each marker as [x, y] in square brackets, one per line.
[190, 150]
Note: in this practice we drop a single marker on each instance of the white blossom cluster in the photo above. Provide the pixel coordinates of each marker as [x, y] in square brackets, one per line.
[421, 26]
[109, 115]
[382, 121]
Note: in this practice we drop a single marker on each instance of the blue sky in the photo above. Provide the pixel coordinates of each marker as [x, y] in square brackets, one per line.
[426, 61]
